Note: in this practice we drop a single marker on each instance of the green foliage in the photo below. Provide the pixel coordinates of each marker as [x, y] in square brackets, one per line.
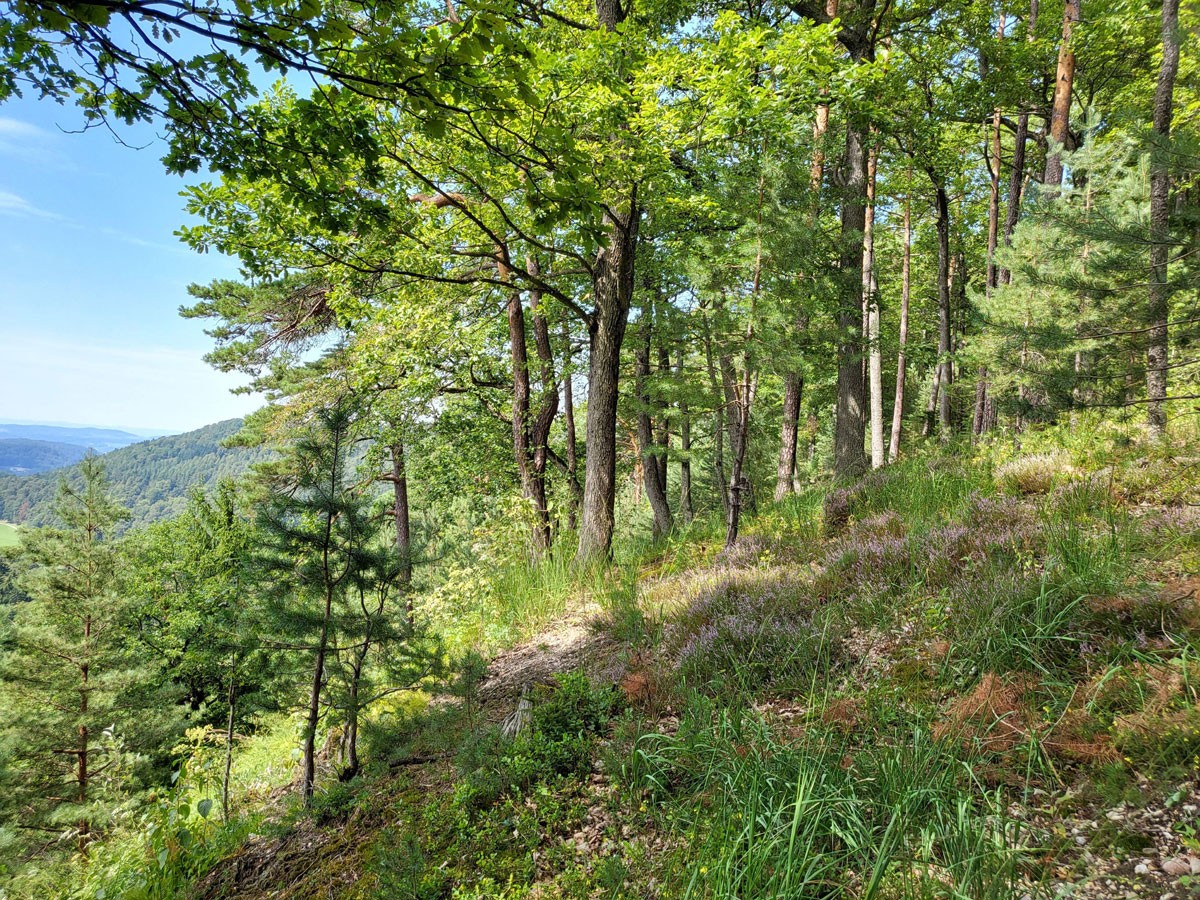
[152, 478]
[87, 720]
[559, 741]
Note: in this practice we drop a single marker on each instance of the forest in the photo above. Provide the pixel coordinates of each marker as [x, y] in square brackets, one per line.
[730, 449]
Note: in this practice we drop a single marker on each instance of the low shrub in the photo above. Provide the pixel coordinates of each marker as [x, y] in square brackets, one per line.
[745, 633]
[1035, 473]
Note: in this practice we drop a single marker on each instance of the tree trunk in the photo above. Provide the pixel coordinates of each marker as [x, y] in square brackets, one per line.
[356, 669]
[979, 417]
[1060, 109]
[793, 393]
[309, 763]
[718, 420]
[850, 417]
[945, 374]
[686, 511]
[533, 483]
[612, 285]
[1016, 180]
[403, 526]
[662, 435]
[1158, 309]
[543, 420]
[739, 485]
[81, 759]
[651, 477]
[901, 358]
[930, 426]
[871, 301]
[231, 698]
[573, 485]
[793, 382]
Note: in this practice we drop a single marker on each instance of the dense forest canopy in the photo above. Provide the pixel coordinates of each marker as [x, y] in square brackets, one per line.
[152, 477]
[533, 286]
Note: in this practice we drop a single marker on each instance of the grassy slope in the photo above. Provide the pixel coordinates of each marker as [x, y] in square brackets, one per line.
[8, 535]
[953, 679]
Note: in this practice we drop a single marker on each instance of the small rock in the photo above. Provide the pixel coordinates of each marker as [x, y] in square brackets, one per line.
[1177, 866]
[1141, 869]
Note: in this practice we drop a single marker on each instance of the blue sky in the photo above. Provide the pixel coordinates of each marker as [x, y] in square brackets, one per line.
[91, 280]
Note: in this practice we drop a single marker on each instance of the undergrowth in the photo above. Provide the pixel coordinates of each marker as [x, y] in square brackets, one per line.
[868, 696]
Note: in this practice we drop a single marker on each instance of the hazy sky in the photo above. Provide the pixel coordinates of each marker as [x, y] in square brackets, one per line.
[91, 280]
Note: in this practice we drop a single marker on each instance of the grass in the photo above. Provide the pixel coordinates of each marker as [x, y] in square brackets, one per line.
[859, 700]
[10, 535]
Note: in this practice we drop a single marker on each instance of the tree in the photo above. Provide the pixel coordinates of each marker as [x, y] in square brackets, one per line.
[323, 560]
[84, 713]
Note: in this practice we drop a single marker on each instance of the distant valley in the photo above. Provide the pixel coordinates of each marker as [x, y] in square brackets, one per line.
[25, 449]
[151, 477]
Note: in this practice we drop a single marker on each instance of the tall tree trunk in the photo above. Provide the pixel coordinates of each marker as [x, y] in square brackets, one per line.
[231, 699]
[945, 374]
[82, 773]
[612, 290]
[651, 478]
[871, 301]
[901, 357]
[793, 393]
[719, 417]
[1158, 308]
[931, 408]
[686, 510]
[793, 382]
[850, 422]
[1060, 109]
[662, 434]
[309, 762]
[739, 484]
[522, 440]
[576, 498]
[356, 670]
[1016, 181]
[612, 285]
[547, 408]
[400, 514]
[994, 165]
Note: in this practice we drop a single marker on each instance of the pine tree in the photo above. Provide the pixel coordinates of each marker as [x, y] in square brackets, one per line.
[83, 715]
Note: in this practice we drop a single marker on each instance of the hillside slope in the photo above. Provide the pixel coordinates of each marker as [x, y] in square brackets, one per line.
[102, 440]
[152, 477]
[23, 456]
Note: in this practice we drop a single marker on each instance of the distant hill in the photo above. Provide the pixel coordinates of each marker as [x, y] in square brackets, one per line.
[22, 456]
[102, 440]
[152, 478]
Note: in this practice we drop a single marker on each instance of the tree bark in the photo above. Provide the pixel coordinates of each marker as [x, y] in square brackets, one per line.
[403, 526]
[901, 357]
[651, 476]
[81, 759]
[309, 763]
[576, 498]
[686, 510]
[719, 417]
[871, 302]
[850, 422]
[1158, 308]
[612, 285]
[793, 382]
[1060, 109]
[945, 374]
[1016, 180]
[793, 394]
[231, 698]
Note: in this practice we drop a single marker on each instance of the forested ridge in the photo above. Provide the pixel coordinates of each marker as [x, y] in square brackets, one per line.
[21, 456]
[152, 477]
[712, 450]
